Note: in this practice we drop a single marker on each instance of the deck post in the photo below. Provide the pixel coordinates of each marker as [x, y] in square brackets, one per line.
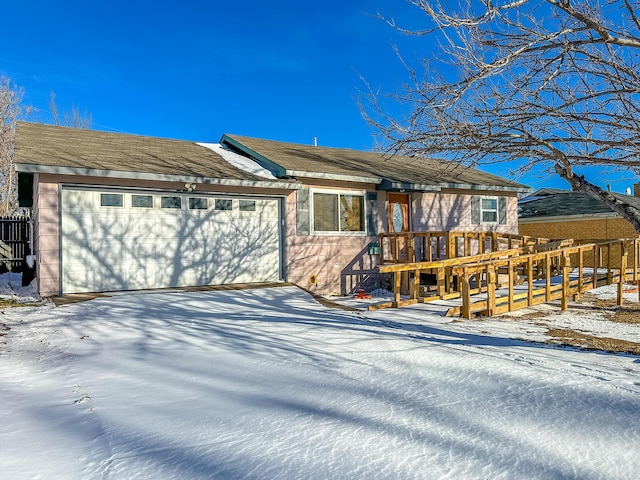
[440, 278]
[411, 247]
[491, 289]
[580, 273]
[547, 277]
[624, 258]
[566, 272]
[609, 268]
[415, 289]
[635, 259]
[530, 280]
[466, 294]
[397, 279]
[452, 250]
[512, 275]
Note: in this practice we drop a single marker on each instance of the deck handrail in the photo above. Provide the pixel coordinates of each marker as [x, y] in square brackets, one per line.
[410, 247]
[610, 261]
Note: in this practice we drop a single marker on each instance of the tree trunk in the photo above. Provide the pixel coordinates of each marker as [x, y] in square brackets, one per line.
[579, 184]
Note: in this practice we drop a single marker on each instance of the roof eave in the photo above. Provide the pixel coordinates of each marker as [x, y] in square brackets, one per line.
[406, 186]
[90, 172]
[492, 188]
[334, 176]
[416, 187]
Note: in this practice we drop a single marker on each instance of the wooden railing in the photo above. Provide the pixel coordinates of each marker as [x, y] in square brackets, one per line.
[502, 281]
[409, 247]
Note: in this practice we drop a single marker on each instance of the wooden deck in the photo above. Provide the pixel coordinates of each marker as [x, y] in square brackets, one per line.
[497, 275]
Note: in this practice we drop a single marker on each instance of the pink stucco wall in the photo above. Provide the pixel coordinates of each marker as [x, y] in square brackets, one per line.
[326, 263]
[325, 259]
[452, 211]
[323, 263]
[47, 236]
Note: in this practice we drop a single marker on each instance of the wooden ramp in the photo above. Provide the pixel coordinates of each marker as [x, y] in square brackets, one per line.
[507, 280]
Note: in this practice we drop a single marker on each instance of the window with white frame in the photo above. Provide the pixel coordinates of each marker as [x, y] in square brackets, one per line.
[338, 212]
[489, 210]
[111, 200]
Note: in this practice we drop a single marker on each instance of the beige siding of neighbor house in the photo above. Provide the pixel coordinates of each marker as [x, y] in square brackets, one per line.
[579, 228]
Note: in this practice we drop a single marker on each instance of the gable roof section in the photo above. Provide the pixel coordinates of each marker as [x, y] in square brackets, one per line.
[389, 173]
[71, 151]
[567, 204]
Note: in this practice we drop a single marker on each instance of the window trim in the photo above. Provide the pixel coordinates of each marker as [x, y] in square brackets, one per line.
[179, 207]
[483, 210]
[142, 195]
[197, 209]
[243, 203]
[351, 233]
[223, 199]
[112, 195]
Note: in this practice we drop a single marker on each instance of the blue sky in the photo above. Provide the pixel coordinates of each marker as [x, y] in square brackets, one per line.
[284, 70]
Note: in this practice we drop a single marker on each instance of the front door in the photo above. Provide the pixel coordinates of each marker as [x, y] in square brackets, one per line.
[398, 216]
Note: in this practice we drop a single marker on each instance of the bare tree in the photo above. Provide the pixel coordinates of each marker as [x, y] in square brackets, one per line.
[72, 118]
[10, 111]
[525, 81]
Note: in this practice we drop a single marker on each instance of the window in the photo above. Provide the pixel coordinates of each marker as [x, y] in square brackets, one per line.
[198, 203]
[111, 200]
[489, 210]
[170, 202]
[338, 212]
[247, 205]
[224, 204]
[142, 201]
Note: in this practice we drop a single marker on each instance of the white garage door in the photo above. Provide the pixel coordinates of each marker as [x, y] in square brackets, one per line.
[113, 240]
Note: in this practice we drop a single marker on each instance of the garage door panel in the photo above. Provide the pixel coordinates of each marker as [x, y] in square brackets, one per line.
[141, 227]
[112, 252]
[124, 248]
[142, 276]
[88, 279]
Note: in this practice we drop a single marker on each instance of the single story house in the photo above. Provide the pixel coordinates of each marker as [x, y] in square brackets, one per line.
[551, 213]
[125, 212]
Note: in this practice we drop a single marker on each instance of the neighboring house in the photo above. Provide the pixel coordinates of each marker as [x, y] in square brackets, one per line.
[122, 212]
[549, 213]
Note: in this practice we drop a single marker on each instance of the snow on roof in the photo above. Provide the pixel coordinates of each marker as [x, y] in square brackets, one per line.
[239, 161]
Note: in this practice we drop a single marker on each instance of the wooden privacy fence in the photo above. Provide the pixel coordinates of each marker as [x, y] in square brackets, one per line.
[506, 280]
[15, 233]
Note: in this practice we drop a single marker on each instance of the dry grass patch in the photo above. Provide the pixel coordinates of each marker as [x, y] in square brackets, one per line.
[8, 303]
[582, 340]
[625, 313]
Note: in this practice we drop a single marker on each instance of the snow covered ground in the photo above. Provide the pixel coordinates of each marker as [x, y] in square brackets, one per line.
[269, 384]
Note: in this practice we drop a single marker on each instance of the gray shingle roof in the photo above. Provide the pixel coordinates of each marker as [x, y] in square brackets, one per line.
[392, 172]
[568, 203]
[56, 149]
